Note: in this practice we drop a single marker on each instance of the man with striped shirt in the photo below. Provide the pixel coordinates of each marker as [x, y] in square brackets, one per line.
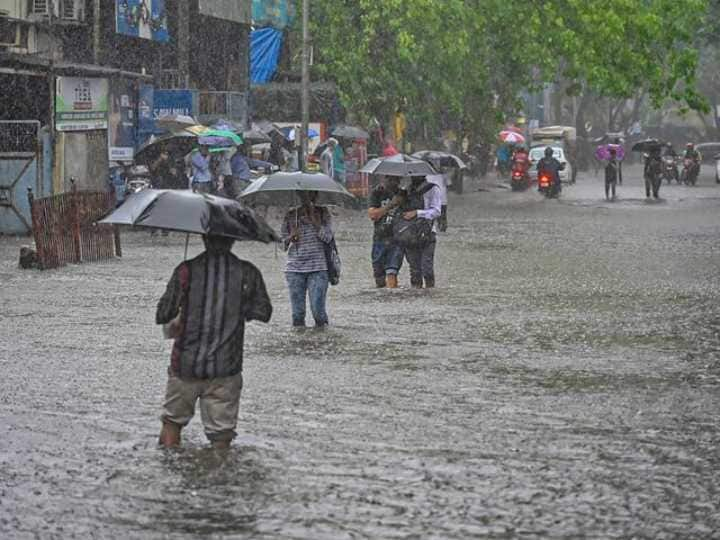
[207, 302]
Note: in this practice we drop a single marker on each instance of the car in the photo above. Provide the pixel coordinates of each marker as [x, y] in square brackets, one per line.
[538, 152]
[708, 150]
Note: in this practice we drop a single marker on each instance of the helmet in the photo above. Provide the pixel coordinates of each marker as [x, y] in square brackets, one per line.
[548, 151]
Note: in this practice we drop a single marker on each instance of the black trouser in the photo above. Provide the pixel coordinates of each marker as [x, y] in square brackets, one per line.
[610, 186]
[422, 264]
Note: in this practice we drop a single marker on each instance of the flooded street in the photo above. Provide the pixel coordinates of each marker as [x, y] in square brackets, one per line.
[562, 381]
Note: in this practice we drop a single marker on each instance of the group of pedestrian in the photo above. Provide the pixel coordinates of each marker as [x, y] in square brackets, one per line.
[226, 172]
[405, 228]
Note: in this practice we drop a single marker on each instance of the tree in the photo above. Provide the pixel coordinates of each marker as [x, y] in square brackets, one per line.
[465, 62]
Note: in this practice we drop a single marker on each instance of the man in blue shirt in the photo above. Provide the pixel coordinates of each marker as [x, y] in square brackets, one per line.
[201, 172]
[240, 165]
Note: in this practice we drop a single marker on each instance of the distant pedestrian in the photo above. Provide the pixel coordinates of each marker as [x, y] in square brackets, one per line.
[205, 307]
[240, 169]
[326, 158]
[611, 174]
[305, 231]
[389, 148]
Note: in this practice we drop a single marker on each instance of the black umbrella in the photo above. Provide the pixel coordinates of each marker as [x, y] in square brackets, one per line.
[444, 159]
[255, 136]
[184, 211]
[398, 165]
[647, 145]
[280, 189]
[350, 132]
[177, 145]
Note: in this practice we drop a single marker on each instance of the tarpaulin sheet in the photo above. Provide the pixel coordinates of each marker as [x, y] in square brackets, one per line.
[265, 45]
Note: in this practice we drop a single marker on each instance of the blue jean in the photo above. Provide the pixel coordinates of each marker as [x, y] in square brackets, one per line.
[387, 258]
[312, 285]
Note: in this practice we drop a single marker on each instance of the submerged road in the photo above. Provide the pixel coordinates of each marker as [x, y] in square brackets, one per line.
[562, 381]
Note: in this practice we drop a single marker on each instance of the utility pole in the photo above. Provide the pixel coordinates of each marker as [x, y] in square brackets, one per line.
[305, 85]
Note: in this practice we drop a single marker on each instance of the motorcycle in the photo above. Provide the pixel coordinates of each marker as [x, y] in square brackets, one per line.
[670, 169]
[690, 172]
[519, 179]
[547, 186]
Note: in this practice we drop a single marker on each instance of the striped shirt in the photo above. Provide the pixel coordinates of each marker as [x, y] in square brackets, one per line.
[308, 253]
[217, 293]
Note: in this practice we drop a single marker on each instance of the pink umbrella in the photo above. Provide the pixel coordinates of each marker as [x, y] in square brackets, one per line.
[602, 152]
[511, 137]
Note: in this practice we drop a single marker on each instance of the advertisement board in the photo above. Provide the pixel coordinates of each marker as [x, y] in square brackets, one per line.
[239, 11]
[145, 19]
[81, 104]
[121, 121]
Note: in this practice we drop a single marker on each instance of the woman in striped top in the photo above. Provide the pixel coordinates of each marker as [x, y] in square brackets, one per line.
[305, 231]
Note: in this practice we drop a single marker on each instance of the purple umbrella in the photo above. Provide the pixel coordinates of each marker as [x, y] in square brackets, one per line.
[602, 152]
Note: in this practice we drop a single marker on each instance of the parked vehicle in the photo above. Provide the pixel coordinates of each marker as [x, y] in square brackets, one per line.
[670, 169]
[537, 153]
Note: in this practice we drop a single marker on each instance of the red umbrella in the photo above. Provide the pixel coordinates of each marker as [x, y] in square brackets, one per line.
[511, 137]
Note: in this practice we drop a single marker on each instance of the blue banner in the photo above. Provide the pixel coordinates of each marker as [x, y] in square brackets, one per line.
[145, 19]
[146, 121]
[172, 102]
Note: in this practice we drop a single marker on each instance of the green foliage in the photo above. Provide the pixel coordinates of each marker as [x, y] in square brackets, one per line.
[468, 60]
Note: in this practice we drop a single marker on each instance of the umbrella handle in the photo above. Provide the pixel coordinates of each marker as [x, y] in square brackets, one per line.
[187, 241]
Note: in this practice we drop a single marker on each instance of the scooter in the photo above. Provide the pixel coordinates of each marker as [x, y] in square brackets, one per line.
[519, 179]
[670, 169]
[690, 172]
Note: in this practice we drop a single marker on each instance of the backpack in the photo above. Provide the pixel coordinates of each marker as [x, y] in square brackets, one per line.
[412, 233]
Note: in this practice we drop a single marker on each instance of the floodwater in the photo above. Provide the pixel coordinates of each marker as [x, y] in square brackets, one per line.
[562, 381]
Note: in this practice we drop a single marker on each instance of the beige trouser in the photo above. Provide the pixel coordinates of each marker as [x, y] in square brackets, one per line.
[219, 404]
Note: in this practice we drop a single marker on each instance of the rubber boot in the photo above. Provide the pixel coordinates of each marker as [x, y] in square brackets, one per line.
[380, 282]
[392, 281]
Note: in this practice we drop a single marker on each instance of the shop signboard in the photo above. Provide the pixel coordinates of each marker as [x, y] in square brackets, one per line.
[239, 11]
[276, 13]
[145, 19]
[81, 104]
[121, 121]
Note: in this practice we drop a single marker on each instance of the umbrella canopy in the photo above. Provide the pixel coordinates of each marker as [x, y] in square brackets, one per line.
[511, 137]
[398, 165]
[602, 152]
[255, 136]
[350, 132]
[289, 133]
[175, 122]
[647, 145]
[444, 159]
[279, 189]
[184, 211]
[219, 137]
[177, 145]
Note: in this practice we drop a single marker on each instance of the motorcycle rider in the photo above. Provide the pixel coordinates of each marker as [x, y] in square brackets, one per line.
[692, 154]
[552, 167]
[669, 152]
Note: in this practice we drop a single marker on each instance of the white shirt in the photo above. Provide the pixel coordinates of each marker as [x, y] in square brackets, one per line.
[440, 180]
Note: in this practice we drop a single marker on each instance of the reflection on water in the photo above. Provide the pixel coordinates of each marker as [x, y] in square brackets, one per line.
[561, 381]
